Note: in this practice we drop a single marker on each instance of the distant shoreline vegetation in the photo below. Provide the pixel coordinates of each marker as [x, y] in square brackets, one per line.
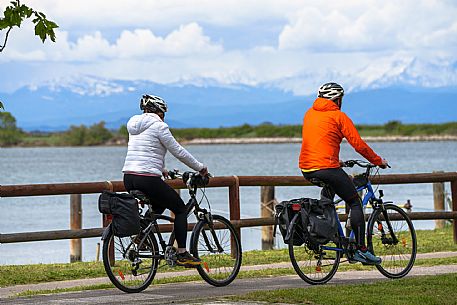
[98, 134]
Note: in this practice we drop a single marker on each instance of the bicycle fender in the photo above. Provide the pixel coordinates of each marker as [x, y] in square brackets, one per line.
[106, 232]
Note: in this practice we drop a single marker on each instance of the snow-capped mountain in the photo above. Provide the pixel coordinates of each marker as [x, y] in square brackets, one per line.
[87, 100]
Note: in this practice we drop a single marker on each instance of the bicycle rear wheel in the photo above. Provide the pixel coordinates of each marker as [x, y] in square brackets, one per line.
[394, 239]
[219, 248]
[129, 267]
[315, 264]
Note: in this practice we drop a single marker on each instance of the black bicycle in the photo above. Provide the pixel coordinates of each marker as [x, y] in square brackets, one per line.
[132, 262]
[390, 234]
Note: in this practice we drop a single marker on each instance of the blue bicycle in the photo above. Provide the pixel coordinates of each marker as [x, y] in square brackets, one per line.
[390, 235]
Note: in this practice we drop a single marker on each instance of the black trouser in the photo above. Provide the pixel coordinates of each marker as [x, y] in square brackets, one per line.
[162, 197]
[343, 186]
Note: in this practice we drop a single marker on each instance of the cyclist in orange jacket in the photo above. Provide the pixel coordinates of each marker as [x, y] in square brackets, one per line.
[324, 127]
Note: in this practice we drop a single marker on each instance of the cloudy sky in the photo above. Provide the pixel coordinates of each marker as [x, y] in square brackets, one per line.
[292, 45]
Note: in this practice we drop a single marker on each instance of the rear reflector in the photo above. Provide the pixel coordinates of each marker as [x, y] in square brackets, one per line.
[296, 207]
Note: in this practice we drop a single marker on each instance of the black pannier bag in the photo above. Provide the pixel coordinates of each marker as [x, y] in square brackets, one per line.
[124, 208]
[316, 221]
[283, 217]
[319, 218]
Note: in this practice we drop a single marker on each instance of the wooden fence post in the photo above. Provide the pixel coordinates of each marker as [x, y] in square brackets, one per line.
[75, 224]
[234, 206]
[267, 200]
[438, 202]
[454, 206]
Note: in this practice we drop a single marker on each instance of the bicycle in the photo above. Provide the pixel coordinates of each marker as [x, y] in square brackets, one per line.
[131, 262]
[390, 234]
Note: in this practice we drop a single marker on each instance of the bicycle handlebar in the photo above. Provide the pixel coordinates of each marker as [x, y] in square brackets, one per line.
[361, 163]
[191, 179]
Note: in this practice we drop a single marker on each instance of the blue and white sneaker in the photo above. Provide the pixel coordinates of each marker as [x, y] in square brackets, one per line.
[366, 258]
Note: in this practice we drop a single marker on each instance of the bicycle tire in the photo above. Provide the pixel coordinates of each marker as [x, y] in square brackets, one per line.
[306, 263]
[397, 258]
[217, 268]
[120, 271]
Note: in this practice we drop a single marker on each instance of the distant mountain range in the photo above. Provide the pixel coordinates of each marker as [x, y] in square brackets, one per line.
[56, 106]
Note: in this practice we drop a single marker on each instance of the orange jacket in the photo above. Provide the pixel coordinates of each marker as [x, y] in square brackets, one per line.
[324, 127]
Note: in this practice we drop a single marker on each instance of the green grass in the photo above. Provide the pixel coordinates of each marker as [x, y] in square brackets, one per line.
[428, 241]
[435, 240]
[422, 290]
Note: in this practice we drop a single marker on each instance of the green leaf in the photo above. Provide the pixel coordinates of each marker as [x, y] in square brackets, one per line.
[3, 24]
[40, 30]
[52, 35]
[7, 13]
[51, 24]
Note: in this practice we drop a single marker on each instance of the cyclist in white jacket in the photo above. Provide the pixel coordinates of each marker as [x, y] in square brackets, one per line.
[149, 140]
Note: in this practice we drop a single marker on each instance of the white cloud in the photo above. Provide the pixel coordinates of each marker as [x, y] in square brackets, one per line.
[371, 26]
[186, 40]
[362, 44]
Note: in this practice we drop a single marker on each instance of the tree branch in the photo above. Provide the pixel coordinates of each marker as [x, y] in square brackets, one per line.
[6, 38]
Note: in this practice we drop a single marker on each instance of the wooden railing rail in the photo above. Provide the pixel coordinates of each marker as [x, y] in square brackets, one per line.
[232, 182]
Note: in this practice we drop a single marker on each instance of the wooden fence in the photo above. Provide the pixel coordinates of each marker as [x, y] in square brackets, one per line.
[232, 182]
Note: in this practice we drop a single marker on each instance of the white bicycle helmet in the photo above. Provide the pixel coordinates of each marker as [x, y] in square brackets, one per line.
[330, 91]
[153, 103]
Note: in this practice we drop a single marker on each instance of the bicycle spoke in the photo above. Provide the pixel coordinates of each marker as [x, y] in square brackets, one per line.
[397, 257]
[314, 266]
[126, 270]
[218, 266]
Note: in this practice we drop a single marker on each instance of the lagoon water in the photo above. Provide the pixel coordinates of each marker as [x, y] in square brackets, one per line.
[55, 165]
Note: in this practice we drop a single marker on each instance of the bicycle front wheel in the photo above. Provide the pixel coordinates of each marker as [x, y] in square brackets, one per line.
[391, 236]
[219, 249]
[315, 264]
[129, 266]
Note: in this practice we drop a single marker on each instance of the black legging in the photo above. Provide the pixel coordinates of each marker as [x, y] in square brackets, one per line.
[343, 186]
[163, 197]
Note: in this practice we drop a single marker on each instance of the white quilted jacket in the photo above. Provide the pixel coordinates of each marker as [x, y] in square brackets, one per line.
[149, 140]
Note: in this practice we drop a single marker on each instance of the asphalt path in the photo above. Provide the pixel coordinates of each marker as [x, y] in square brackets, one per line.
[202, 293]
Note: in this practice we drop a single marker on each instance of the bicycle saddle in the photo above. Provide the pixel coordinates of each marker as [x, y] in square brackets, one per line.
[318, 182]
[139, 195]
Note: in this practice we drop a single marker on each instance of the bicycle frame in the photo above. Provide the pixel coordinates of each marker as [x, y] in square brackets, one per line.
[191, 206]
[369, 196]
[153, 226]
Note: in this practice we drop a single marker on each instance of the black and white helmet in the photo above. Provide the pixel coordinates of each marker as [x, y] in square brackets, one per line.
[330, 91]
[153, 103]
